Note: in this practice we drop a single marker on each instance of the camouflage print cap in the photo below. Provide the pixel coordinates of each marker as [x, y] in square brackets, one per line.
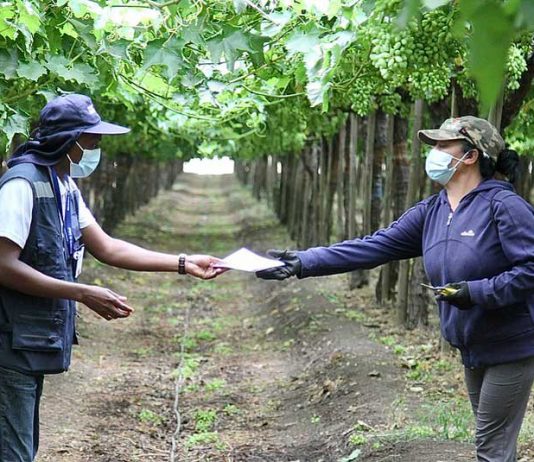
[478, 132]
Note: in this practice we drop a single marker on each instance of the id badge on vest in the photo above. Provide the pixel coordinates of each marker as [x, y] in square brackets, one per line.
[71, 230]
[78, 258]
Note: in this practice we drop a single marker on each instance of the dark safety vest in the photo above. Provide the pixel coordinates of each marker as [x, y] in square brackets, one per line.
[36, 333]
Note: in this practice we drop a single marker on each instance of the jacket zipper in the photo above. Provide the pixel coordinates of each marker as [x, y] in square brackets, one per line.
[458, 336]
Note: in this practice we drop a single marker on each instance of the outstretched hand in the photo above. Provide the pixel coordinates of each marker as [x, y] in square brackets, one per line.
[292, 266]
[202, 266]
[105, 302]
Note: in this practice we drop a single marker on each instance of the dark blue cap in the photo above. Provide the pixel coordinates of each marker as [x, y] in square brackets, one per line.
[62, 122]
[75, 112]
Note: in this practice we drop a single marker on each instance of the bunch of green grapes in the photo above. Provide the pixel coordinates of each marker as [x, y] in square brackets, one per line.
[430, 63]
[361, 96]
[431, 83]
[467, 85]
[389, 8]
[390, 102]
[515, 66]
[390, 50]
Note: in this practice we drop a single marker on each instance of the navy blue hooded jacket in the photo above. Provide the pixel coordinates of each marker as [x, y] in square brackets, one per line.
[487, 241]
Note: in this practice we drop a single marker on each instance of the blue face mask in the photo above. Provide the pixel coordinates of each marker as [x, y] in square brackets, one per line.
[88, 163]
[437, 166]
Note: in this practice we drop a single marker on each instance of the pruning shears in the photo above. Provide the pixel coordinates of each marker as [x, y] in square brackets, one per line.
[441, 290]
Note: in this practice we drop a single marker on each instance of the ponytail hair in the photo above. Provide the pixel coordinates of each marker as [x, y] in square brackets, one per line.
[507, 163]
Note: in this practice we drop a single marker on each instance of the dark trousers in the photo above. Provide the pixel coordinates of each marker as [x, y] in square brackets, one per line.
[499, 397]
[20, 395]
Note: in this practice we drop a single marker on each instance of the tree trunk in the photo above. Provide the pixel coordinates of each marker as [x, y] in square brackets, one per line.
[297, 202]
[419, 298]
[386, 291]
[495, 114]
[380, 146]
[357, 278]
[341, 179]
[368, 174]
[323, 188]
[333, 170]
[413, 188]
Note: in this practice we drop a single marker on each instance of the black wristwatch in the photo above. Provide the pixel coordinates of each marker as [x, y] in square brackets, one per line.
[181, 263]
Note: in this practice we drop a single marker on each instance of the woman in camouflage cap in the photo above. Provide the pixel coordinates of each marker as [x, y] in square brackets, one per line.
[477, 241]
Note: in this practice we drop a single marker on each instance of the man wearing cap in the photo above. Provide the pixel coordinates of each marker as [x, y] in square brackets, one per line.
[477, 242]
[45, 228]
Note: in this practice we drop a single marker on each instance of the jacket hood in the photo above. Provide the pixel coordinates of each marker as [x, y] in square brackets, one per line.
[485, 185]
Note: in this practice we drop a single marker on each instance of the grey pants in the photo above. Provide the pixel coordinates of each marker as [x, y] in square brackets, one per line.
[499, 397]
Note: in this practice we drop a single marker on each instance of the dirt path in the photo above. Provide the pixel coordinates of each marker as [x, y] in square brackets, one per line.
[274, 371]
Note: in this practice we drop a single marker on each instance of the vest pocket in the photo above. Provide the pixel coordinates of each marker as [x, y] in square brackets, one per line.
[39, 332]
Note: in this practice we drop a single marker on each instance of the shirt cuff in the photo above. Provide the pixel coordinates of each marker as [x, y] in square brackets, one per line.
[13, 238]
[476, 291]
[305, 264]
[87, 223]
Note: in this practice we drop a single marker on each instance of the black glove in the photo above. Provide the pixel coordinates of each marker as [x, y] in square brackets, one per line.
[291, 268]
[456, 294]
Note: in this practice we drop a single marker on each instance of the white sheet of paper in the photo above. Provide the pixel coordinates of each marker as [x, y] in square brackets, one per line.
[245, 260]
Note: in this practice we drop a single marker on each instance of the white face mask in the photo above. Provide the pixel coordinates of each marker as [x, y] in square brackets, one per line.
[437, 166]
[88, 163]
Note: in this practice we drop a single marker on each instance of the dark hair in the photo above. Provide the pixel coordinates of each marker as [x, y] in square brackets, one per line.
[507, 163]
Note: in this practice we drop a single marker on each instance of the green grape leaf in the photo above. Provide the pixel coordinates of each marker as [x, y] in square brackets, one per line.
[191, 80]
[193, 33]
[276, 22]
[57, 64]
[158, 53]
[232, 45]
[48, 95]
[317, 92]
[279, 82]
[118, 49]
[31, 71]
[81, 7]
[79, 72]
[86, 32]
[28, 16]
[301, 42]
[492, 35]
[321, 58]
[334, 7]
[7, 28]
[155, 83]
[83, 74]
[68, 29]
[216, 86]
[54, 38]
[15, 123]
[215, 50]
[240, 6]
[8, 63]
[257, 42]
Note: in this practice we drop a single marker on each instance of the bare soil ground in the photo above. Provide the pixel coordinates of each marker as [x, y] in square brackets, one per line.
[292, 371]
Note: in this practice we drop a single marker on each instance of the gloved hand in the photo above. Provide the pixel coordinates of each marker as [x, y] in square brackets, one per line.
[291, 268]
[457, 294]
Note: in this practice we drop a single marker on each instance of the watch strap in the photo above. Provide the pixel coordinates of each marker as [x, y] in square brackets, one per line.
[181, 263]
